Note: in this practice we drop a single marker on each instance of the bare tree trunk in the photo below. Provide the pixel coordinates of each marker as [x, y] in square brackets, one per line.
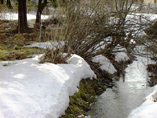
[41, 6]
[2, 1]
[9, 4]
[22, 16]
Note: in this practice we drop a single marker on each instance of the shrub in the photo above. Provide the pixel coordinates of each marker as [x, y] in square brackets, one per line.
[84, 28]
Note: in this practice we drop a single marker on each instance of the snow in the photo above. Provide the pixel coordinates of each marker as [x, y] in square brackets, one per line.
[121, 56]
[48, 44]
[32, 90]
[132, 41]
[14, 16]
[151, 93]
[139, 22]
[119, 48]
[105, 63]
[120, 53]
[149, 107]
[146, 110]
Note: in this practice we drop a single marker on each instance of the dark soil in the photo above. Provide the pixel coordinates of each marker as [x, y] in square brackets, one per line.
[152, 68]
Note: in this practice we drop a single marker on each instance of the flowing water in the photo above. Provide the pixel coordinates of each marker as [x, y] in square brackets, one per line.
[125, 96]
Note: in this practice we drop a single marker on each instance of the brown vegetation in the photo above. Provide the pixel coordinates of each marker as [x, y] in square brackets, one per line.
[152, 68]
[152, 38]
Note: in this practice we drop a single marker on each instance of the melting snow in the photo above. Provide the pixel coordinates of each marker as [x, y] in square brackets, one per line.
[105, 63]
[148, 108]
[32, 90]
[121, 56]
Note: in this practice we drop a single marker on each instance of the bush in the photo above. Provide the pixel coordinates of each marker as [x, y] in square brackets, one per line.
[84, 29]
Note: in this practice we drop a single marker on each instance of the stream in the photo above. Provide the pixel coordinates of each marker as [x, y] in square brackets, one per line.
[119, 101]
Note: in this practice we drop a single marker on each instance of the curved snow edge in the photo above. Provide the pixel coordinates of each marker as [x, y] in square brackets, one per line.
[32, 90]
[148, 108]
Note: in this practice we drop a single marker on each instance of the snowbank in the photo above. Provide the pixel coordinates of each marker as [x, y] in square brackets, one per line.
[120, 53]
[148, 108]
[32, 90]
[121, 56]
[105, 64]
[151, 93]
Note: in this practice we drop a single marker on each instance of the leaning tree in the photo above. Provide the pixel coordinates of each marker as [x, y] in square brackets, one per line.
[2, 1]
[8, 3]
[41, 5]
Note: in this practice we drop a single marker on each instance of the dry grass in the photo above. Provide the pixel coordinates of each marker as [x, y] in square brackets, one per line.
[83, 28]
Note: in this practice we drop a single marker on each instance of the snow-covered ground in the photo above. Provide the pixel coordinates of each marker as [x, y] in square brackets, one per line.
[137, 22]
[32, 90]
[14, 16]
[48, 44]
[29, 89]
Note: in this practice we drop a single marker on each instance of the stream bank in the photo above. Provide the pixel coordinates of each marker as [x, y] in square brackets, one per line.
[81, 102]
[119, 101]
